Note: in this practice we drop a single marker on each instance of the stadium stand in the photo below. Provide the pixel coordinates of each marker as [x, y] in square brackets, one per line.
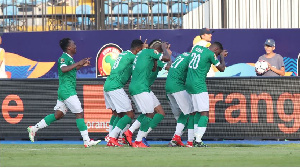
[160, 9]
[126, 14]
[83, 10]
[140, 9]
[121, 10]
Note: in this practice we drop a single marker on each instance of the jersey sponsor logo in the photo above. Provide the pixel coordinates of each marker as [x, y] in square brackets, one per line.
[106, 58]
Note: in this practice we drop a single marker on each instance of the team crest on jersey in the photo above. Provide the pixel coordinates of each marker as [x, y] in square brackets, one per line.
[106, 58]
[62, 60]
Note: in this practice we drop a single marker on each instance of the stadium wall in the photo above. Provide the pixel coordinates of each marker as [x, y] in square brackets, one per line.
[34, 54]
[240, 108]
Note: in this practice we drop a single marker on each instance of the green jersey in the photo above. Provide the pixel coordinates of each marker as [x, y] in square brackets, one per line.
[153, 75]
[201, 59]
[67, 80]
[120, 72]
[177, 74]
[142, 69]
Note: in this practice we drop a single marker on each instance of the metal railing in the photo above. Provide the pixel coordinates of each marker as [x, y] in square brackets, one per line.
[56, 15]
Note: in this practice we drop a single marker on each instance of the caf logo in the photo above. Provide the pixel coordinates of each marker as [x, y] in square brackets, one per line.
[106, 58]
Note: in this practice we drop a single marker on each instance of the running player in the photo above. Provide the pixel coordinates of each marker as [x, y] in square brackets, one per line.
[139, 85]
[67, 96]
[179, 99]
[115, 96]
[201, 59]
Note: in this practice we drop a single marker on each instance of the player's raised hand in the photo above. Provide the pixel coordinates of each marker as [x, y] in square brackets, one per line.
[145, 45]
[164, 45]
[224, 53]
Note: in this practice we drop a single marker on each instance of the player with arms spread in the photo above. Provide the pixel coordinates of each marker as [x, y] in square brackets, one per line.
[115, 96]
[67, 96]
[200, 62]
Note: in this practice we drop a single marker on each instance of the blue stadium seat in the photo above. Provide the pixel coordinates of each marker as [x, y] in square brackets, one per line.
[107, 9]
[9, 11]
[83, 9]
[121, 9]
[7, 2]
[139, 1]
[178, 8]
[159, 1]
[140, 9]
[193, 5]
[160, 9]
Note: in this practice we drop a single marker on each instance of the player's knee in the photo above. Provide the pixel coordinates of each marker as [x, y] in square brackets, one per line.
[58, 115]
[150, 115]
[130, 114]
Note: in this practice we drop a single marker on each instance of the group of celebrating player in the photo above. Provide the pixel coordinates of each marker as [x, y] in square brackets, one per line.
[185, 88]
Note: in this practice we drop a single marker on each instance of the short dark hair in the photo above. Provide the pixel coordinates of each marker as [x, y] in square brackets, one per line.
[154, 42]
[218, 44]
[136, 43]
[64, 43]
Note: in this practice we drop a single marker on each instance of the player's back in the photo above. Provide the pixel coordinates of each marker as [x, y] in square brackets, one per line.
[67, 80]
[120, 72]
[201, 59]
[177, 73]
[142, 67]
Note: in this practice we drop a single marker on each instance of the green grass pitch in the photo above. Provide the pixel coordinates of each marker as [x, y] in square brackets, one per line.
[42, 155]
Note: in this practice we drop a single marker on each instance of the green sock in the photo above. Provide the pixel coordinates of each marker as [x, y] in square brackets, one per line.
[191, 122]
[140, 118]
[196, 118]
[123, 122]
[203, 121]
[80, 124]
[49, 119]
[116, 121]
[112, 119]
[182, 119]
[145, 124]
[156, 119]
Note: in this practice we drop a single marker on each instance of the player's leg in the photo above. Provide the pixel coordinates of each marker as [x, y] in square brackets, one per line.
[159, 113]
[190, 130]
[123, 107]
[74, 105]
[146, 104]
[60, 111]
[110, 105]
[201, 102]
[184, 102]
[136, 124]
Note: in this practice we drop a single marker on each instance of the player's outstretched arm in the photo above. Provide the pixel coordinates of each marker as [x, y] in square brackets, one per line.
[76, 65]
[221, 66]
[166, 52]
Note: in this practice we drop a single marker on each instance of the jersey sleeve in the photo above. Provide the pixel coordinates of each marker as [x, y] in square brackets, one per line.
[161, 64]
[155, 54]
[62, 62]
[213, 59]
